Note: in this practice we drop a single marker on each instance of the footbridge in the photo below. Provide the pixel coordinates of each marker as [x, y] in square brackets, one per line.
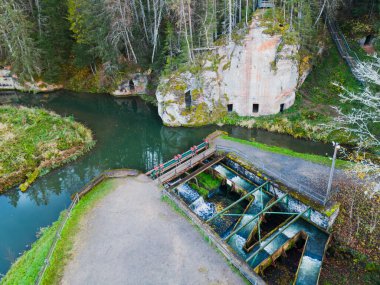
[183, 162]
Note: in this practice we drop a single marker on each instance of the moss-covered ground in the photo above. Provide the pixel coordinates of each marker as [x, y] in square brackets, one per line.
[25, 270]
[33, 141]
[205, 183]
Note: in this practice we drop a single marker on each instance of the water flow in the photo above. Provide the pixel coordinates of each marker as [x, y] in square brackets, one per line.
[310, 263]
[204, 210]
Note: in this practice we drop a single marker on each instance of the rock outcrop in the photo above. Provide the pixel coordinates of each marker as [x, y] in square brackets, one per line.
[135, 84]
[256, 76]
[9, 81]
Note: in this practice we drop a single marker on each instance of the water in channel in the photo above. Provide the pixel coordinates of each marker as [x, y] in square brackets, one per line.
[129, 134]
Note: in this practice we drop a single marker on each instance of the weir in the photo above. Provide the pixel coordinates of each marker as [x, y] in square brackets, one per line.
[257, 223]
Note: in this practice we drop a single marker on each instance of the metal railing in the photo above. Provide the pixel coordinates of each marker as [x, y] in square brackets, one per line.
[166, 166]
[55, 240]
[344, 48]
[298, 186]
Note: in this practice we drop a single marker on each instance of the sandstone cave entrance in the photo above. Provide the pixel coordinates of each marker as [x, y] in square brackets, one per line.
[282, 107]
[368, 40]
[255, 108]
[131, 85]
[188, 99]
[230, 107]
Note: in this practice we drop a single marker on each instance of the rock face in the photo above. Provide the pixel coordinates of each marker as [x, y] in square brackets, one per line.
[256, 77]
[9, 81]
[135, 84]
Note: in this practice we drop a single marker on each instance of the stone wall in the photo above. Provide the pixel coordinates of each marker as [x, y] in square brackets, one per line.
[255, 76]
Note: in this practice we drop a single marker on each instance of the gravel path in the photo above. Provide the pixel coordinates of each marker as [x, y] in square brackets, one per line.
[132, 237]
[303, 176]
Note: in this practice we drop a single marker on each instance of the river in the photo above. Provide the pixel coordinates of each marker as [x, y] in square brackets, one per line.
[129, 134]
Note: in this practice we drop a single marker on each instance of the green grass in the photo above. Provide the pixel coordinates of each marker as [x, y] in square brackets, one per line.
[305, 156]
[33, 141]
[25, 270]
[201, 190]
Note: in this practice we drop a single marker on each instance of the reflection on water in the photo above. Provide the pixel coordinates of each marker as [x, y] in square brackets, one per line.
[129, 134]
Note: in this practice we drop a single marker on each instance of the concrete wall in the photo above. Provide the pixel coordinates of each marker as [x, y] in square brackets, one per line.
[294, 205]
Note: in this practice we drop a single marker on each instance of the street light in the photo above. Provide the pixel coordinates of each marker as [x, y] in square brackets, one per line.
[336, 148]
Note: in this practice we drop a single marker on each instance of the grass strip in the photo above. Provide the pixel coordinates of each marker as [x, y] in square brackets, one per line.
[26, 268]
[342, 164]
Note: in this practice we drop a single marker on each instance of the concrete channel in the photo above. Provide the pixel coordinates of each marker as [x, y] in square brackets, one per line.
[252, 220]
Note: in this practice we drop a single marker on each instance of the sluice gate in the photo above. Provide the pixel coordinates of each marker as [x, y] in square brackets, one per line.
[257, 222]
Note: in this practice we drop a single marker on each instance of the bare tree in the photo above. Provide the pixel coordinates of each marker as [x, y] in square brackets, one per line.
[362, 121]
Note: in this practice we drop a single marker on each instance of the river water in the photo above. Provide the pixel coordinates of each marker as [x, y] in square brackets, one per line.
[129, 134]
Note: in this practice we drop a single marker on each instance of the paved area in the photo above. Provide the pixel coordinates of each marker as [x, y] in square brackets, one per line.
[132, 237]
[304, 176]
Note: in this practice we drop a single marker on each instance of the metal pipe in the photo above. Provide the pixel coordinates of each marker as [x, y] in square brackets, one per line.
[277, 234]
[236, 202]
[262, 211]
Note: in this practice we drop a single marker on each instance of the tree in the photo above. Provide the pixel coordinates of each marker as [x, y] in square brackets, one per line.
[16, 40]
[364, 121]
[54, 37]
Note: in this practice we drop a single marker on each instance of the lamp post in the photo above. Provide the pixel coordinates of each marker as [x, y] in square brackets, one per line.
[336, 148]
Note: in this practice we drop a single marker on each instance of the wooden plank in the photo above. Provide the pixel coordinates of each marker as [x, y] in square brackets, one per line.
[195, 173]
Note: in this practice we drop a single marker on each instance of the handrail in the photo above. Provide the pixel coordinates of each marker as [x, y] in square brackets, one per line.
[183, 157]
[55, 240]
[117, 173]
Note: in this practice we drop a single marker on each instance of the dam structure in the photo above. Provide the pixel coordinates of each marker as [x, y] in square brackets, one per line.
[254, 220]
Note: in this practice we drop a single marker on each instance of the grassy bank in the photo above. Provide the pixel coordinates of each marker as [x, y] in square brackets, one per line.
[25, 270]
[33, 141]
[312, 112]
[275, 149]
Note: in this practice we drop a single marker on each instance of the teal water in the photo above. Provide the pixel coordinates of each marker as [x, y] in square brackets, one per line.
[129, 134]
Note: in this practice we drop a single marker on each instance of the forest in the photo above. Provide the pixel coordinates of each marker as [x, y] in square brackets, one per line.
[53, 39]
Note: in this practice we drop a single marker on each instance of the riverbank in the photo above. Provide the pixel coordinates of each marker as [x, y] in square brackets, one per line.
[75, 259]
[26, 268]
[34, 141]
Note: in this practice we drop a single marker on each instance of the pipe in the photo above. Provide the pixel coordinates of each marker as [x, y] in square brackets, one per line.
[276, 235]
[236, 202]
[262, 211]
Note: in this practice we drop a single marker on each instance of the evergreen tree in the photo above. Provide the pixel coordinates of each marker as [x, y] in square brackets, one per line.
[54, 39]
[16, 39]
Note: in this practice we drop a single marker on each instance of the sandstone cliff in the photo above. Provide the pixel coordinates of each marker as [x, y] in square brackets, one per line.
[255, 76]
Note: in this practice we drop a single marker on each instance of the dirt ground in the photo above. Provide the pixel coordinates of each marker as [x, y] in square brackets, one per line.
[133, 237]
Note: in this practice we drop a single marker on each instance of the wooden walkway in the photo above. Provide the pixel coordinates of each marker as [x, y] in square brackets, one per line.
[185, 166]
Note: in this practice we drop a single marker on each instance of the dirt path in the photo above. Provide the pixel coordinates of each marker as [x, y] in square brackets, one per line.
[132, 237]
